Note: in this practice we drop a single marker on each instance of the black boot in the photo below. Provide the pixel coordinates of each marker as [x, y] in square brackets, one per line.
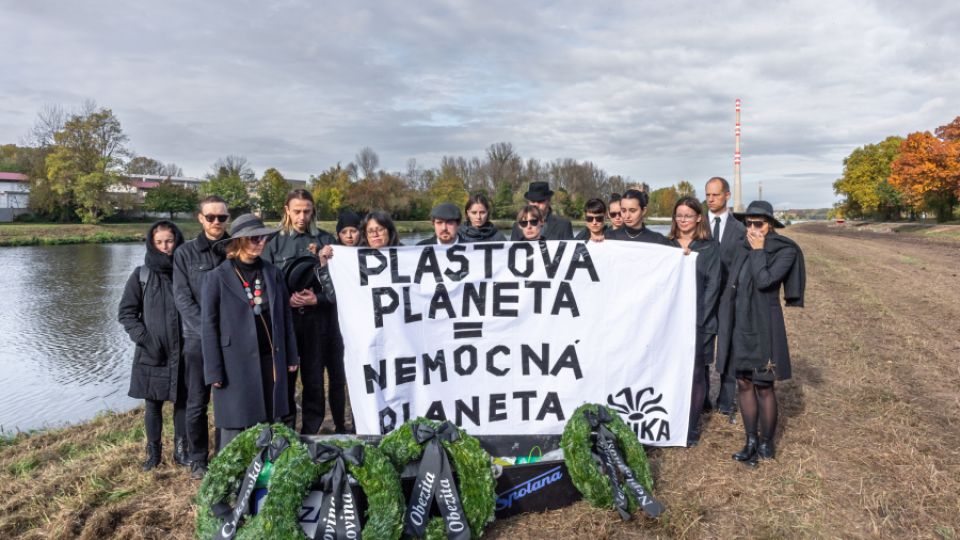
[180, 456]
[154, 450]
[766, 450]
[749, 452]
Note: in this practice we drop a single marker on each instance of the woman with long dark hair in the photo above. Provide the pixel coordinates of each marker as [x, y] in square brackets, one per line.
[377, 230]
[757, 345]
[478, 227]
[247, 333]
[633, 208]
[689, 232]
[149, 315]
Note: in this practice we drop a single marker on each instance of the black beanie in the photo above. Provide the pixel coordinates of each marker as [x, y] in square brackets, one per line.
[348, 218]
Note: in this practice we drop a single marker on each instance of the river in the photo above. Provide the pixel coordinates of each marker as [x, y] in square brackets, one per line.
[63, 355]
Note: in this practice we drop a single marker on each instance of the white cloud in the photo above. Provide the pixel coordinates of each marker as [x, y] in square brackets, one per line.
[643, 89]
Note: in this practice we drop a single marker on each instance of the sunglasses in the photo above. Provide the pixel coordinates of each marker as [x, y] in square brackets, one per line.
[754, 223]
[614, 215]
[222, 218]
[258, 239]
[529, 222]
[593, 219]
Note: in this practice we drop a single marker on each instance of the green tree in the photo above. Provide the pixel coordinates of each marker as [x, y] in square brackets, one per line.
[145, 165]
[171, 198]
[329, 190]
[503, 207]
[86, 160]
[448, 187]
[233, 190]
[272, 191]
[686, 189]
[865, 183]
[662, 201]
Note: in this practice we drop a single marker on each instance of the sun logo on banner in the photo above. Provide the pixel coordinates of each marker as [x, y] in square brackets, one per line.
[642, 413]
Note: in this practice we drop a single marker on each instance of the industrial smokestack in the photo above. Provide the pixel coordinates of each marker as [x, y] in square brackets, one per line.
[737, 188]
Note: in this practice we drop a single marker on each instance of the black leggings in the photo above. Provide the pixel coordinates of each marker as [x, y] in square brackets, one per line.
[153, 419]
[757, 399]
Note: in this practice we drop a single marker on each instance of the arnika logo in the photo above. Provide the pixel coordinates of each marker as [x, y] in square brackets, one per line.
[641, 410]
[507, 498]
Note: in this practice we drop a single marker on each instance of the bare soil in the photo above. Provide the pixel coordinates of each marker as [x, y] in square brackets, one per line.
[868, 444]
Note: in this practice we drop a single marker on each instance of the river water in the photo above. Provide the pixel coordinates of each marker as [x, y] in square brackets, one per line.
[63, 355]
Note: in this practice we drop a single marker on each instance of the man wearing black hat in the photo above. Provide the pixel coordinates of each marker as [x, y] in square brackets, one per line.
[192, 262]
[446, 225]
[555, 227]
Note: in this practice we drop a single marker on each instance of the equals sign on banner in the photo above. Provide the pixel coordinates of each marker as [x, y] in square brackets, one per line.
[463, 330]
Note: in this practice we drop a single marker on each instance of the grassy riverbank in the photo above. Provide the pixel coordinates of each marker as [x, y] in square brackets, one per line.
[868, 447]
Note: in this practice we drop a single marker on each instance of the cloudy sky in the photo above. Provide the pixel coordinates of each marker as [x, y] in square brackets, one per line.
[643, 89]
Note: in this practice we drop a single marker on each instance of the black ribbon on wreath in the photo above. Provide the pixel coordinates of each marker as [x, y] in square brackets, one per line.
[269, 449]
[606, 452]
[435, 482]
[338, 512]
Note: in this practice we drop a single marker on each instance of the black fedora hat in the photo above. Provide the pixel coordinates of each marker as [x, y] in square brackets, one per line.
[759, 208]
[538, 191]
[300, 273]
[248, 225]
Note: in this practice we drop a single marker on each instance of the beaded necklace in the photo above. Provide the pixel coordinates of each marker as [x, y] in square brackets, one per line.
[255, 296]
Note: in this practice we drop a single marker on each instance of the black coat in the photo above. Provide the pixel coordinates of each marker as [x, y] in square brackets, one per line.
[731, 240]
[752, 330]
[287, 246]
[151, 320]
[555, 228]
[708, 285]
[432, 241]
[231, 352]
[191, 264]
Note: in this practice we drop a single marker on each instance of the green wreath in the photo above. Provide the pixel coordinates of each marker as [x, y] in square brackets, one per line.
[222, 481]
[475, 484]
[377, 477]
[585, 473]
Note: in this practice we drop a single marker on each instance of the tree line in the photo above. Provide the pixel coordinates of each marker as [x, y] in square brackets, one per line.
[73, 158]
[903, 177]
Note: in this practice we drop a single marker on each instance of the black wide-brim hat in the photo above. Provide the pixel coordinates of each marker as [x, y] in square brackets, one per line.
[538, 191]
[762, 209]
[301, 274]
[248, 225]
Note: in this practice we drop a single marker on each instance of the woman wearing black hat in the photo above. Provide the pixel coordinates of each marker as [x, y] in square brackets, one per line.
[348, 228]
[757, 342]
[633, 207]
[149, 315]
[478, 227]
[378, 230]
[247, 333]
[689, 232]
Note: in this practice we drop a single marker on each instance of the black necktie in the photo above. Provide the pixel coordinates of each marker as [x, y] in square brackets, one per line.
[716, 229]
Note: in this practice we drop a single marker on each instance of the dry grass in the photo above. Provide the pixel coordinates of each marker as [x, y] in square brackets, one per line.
[868, 446]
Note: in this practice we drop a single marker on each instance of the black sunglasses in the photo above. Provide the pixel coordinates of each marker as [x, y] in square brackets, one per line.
[259, 238]
[593, 219]
[754, 223]
[532, 222]
[222, 218]
[614, 215]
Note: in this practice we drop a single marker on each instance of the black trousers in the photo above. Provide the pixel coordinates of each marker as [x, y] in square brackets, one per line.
[198, 399]
[153, 419]
[319, 353]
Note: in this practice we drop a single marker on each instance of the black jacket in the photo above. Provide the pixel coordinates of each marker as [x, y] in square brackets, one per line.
[287, 246]
[642, 235]
[584, 233]
[231, 351]
[555, 228]
[149, 316]
[191, 264]
[752, 332]
[708, 284]
[732, 238]
[432, 241]
[488, 232]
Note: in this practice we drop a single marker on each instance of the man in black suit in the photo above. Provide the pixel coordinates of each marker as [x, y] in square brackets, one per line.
[730, 233]
[555, 227]
[446, 226]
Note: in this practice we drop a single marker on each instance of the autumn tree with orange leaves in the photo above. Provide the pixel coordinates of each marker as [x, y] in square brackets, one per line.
[927, 171]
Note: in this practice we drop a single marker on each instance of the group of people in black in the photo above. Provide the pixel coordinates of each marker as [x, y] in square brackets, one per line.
[239, 315]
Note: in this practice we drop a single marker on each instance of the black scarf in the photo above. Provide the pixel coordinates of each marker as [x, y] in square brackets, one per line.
[478, 234]
[155, 259]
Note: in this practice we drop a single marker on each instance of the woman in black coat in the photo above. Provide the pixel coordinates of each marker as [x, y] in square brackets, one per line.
[478, 227]
[149, 315]
[689, 232]
[757, 344]
[247, 334]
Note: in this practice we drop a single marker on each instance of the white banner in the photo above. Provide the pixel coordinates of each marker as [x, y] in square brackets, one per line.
[510, 338]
